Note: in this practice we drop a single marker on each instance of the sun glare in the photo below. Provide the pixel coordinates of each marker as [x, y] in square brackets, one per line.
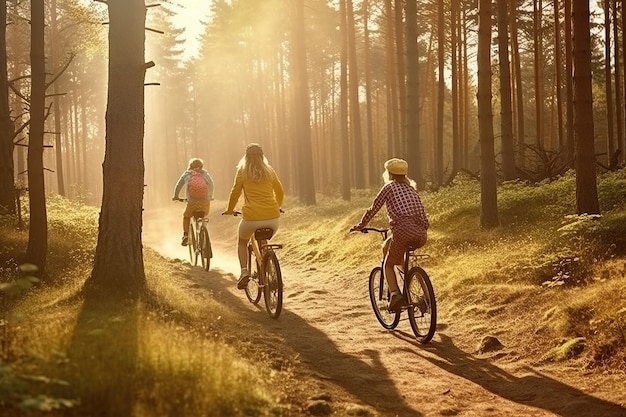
[192, 15]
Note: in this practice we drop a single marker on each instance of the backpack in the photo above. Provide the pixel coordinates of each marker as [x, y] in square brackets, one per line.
[197, 186]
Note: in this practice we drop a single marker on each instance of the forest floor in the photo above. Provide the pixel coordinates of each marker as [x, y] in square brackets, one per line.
[335, 359]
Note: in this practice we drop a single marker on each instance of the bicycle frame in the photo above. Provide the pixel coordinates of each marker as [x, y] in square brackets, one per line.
[420, 303]
[266, 276]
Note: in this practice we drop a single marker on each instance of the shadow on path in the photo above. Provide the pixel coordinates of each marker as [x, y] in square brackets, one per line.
[535, 389]
[369, 383]
[103, 358]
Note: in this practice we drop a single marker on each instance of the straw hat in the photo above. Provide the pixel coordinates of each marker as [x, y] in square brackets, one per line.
[397, 166]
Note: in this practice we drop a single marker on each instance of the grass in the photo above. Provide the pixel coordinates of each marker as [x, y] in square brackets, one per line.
[554, 281]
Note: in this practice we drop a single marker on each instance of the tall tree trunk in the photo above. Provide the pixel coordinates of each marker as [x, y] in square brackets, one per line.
[619, 123]
[343, 105]
[7, 130]
[538, 47]
[586, 186]
[118, 264]
[558, 71]
[400, 67]
[355, 111]
[441, 41]
[393, 122]
[414, 154]
[608, 88]
[456, 139]
[519, 88]
[371, 167]
[569, 84]
[302, 110]
[488, 190]
[54, 56]
[36, 252]
[506, 113]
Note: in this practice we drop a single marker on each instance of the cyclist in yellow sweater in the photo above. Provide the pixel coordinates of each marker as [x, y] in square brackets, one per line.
[263, 197]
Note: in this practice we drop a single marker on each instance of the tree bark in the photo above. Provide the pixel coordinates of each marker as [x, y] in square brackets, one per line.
[585, 160]
[118, 264]
[36, 252]
[488, 190]
[506, 113]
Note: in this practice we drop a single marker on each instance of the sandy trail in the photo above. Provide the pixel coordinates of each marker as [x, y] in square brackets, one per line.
[331, 337]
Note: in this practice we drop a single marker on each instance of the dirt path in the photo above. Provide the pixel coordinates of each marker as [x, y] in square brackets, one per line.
[334, 349]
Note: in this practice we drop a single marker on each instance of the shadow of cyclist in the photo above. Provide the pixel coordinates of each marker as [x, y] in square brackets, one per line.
[534, 389]
[369, 383]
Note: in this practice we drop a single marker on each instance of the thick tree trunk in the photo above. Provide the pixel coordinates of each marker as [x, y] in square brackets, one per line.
[585, 160]
[54, 56]
[38, 232]
[488, 190]
[118, 265]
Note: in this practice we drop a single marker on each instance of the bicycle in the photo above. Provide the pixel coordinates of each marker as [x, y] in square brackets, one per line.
[265, 274]
[416, 288]
[199, 240]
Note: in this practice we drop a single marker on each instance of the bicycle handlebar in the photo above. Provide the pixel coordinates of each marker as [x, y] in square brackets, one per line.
[370, 229]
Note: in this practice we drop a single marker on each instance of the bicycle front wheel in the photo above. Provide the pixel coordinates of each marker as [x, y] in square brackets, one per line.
[205, 248]
[379, 296]
[422, 305]
[192, 244]
[273, 284]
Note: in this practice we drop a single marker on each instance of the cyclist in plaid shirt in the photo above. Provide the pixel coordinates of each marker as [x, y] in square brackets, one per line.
[407, 220]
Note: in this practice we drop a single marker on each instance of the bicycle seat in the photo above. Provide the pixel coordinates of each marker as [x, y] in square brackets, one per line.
[198, 214]
[264, 233]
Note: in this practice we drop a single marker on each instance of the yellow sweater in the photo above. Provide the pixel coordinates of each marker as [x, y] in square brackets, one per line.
[262, 200]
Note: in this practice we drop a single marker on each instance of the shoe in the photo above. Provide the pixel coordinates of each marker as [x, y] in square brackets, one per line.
[396, 302]
[421, 305]
[185, 241]
[242, 283]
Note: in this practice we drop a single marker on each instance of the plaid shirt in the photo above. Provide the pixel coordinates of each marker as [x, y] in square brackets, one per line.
[403, 205]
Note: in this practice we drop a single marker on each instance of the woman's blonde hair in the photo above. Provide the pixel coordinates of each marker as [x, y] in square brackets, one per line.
[388, 177]
[254, 165]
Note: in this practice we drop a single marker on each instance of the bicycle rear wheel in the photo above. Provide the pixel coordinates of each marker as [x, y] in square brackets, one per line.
[253, 292]
[192, 244]
[205, 248]
[379, 296]
[273, 288]
[422, 304]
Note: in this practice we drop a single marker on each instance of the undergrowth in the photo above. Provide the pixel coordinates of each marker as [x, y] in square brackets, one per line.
[60, 351]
